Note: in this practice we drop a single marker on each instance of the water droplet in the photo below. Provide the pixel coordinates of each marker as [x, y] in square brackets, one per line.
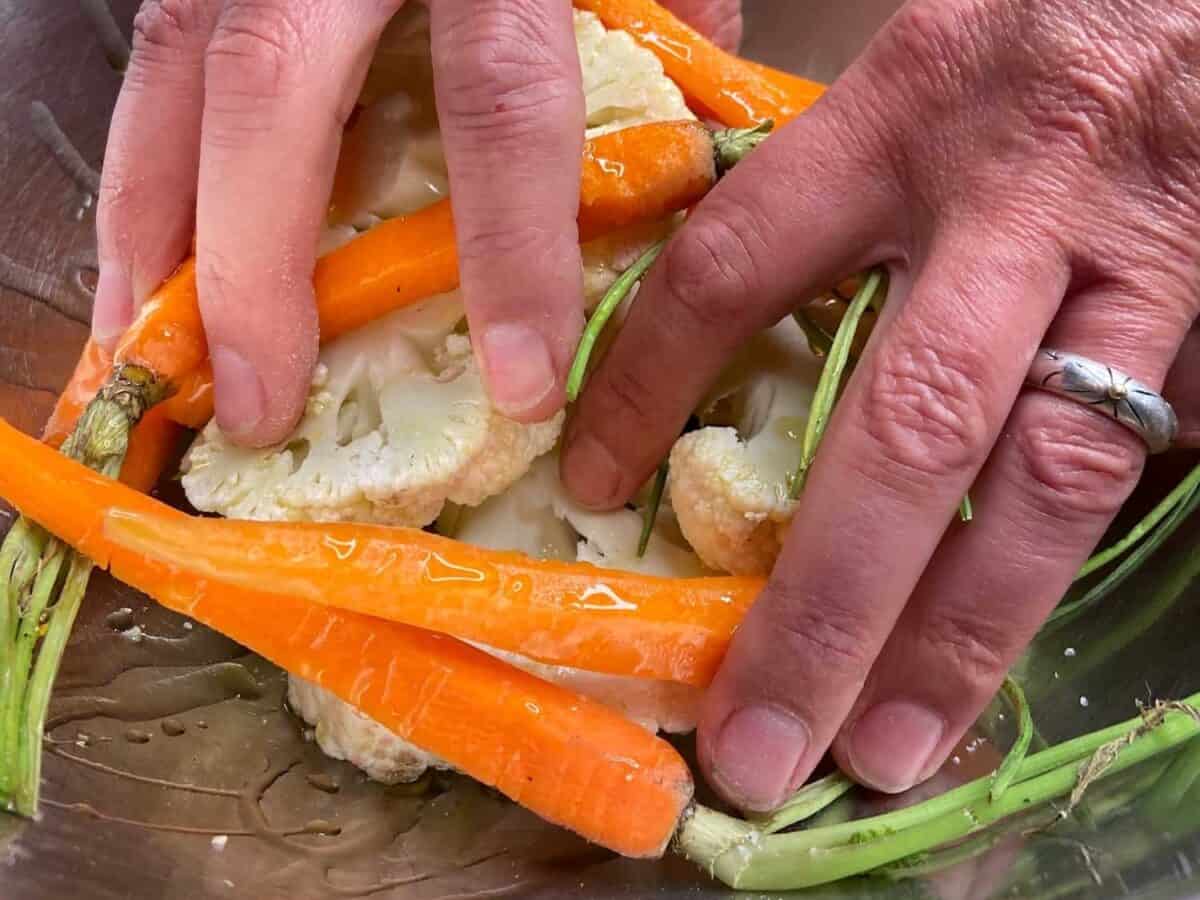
[322, 826]
[1070, 651]
[1083, 701]
[138, 736]
[323, 781]
[120, 619]
[219, 841]
[173, 727]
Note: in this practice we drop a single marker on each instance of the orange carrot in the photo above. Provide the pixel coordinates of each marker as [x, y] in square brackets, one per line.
[573, 614]
[635, 175]
[151, 443]
[569, 759]
[716, 83]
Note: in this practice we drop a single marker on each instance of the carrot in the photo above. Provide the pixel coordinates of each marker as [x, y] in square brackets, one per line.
[151, 443]
[635, 175]
[569, 759]
[573, 614]
[717, 84]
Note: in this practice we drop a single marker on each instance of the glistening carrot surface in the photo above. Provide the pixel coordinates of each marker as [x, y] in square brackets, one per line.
[569, 759]
[573, 614]
[640, 174]
[153, 440]
[716, 83]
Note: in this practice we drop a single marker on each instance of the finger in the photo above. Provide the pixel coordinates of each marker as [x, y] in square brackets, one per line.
[915, 424]
[1054, 483]
[280, 81]
[148, 188]
[510, 103]
[1183, 389]
[719, 20]
[778, 228]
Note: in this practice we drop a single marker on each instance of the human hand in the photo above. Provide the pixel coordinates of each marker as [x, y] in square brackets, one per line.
[228, 126]
[1029, 172]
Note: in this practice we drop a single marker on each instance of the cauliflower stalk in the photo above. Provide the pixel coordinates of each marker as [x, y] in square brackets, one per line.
[729, 485]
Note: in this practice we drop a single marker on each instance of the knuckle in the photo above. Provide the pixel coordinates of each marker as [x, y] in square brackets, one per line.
[256, 53]
[924, 411]
[498, 81]
[523, 242]
[832, 636]
[708, 274]
[976, 647]
[1071, 471]
[216, 282]
[628, 392]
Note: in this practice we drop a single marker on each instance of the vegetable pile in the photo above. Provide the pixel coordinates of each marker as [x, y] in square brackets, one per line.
[492, 643]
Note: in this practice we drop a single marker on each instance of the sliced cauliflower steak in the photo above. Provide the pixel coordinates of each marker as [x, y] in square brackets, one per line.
[729, 485]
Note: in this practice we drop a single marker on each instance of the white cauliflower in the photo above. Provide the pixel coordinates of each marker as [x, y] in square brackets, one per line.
[534, 516]
[729, 485]
[397, 423]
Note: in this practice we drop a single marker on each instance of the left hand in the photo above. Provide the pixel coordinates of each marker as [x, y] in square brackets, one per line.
[1030, 173]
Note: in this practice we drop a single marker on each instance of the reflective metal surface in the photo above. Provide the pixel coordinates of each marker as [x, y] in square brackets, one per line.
[173, 769]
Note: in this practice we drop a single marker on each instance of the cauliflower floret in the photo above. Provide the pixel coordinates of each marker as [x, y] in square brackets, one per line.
[397, 423]
[536, 517]
[729, 485]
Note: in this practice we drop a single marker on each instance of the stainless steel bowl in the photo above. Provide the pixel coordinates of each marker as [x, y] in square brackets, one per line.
[172, 768]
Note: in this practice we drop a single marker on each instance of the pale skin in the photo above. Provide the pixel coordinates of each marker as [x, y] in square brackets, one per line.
[1028, 172]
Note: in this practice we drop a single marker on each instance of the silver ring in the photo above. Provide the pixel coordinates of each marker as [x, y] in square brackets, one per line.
[1110, 391]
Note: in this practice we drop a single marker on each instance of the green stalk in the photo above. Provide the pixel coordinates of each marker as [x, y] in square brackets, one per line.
[831, 378]
[1016, 754]
[652, 506]
[966, 512]
[1183, 506]
[1181, 493]
[743, 857]
[806, 803]
[608, 305]
[41, 683]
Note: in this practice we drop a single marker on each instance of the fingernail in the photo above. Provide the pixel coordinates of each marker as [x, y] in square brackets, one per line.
[590, 471]
[519, 368]
[756, 756]
[893, 744]
[239, 398]
[112, 310]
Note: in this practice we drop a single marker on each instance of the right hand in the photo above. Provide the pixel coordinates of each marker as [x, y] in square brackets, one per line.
[228, 125]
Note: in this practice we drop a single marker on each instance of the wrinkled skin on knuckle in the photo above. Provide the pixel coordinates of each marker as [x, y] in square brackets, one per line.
[256, 56]
[831, 636]
[708, 275]
[1074, 469]
[976, 647]
[498, 80]
[923, 410]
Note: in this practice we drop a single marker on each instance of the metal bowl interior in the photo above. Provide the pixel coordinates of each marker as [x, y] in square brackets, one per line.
[172, 767]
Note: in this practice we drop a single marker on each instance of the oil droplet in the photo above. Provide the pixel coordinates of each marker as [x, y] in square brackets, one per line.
[611, 167]
[120, 619]
[1070, 651]
[791, 427]
[677, 49]
[323, 781]
[137, 736]
[1083, 701]
[516, 585]
[173, 727]
[438, 570]
[602, 590]
[533, 707]
[219, 841]
[343, 550]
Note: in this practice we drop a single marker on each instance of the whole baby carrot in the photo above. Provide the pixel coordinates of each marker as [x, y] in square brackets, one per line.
[569, 759]
[725, 87]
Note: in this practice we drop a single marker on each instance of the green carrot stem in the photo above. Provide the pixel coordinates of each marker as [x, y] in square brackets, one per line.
[966, 512]
[608, 305]
[1016, 754]
[652, 506]
[1164, 508]
[745, 858]
[806, 803]
[830, 381]
[41, 683]
[1185, 505]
